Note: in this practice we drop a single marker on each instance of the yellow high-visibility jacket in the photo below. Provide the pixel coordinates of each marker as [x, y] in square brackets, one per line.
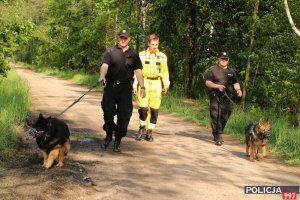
[154, 66]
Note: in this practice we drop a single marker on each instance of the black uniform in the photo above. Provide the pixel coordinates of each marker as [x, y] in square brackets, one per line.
[117, 97]
[220, 104]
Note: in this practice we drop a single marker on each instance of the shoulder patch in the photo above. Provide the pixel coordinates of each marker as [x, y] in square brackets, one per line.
[211, 67]
[232, 70]
[162, 55]
[142, 53]
[110, 49]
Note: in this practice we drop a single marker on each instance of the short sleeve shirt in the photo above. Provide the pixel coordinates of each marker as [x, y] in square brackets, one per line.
[226, 77]
[121, 65]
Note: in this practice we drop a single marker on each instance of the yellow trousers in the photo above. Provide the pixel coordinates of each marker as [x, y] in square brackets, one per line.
[153, 94]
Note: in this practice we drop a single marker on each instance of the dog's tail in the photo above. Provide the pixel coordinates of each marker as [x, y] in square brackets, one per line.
[67, 146]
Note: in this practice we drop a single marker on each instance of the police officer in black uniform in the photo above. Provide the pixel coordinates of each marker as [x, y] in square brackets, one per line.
[117, 70]
[224, 82]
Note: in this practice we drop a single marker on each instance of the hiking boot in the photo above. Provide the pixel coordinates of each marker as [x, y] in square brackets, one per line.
[219, 140]
[107, 140]
[141, 133]
[215, 137]
[149, 137]
[117, 146]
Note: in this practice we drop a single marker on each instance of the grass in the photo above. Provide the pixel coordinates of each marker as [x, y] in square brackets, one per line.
[284, 141]
[14, 107]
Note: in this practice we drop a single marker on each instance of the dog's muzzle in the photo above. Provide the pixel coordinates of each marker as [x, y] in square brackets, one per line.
[266, 136]
[33, 133]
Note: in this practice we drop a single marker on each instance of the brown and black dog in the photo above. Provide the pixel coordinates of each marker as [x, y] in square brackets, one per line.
[52, 137]
[257, 135]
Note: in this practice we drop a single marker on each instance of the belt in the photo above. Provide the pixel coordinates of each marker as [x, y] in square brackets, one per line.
[117, 82]
[153, 78]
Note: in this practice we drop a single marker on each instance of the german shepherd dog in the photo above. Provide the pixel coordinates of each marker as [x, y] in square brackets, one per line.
[52, 137]
[257, 135]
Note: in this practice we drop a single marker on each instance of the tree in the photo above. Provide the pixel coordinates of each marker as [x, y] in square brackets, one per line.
[290, 18]
[14, 31]
[255, 10]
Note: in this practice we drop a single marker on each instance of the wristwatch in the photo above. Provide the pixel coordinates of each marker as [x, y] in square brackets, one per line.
[143, 88]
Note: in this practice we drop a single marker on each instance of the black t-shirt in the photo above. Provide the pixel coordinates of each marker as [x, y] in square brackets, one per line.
[121, 65]
[226, 77]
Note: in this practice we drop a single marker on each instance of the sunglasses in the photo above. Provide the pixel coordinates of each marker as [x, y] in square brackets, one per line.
[123, 38]
[226, 59]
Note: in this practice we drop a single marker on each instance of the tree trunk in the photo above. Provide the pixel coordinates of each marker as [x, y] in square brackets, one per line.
[290, 18]
[144, 17]
[247, 75]
[191, 38]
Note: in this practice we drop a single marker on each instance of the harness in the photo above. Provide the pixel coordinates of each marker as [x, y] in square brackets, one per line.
[252, 130]
[261, 135]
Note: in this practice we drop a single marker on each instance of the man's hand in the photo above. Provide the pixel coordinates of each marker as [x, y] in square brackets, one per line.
[102, 80]
[142, 92]
[165, 90]
[134, 90]
[220, 87]
[239, 93]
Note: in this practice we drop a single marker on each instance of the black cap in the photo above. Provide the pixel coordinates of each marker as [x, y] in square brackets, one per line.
[124, 33]
[223, 55]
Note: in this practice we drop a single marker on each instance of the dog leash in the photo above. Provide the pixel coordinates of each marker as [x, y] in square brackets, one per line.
[77, 100]
[226, 95]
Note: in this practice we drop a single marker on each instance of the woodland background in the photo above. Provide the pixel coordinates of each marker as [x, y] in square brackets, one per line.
[73, 34]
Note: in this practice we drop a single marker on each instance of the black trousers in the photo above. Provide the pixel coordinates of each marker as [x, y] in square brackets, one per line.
[117, 100]
[220, 111]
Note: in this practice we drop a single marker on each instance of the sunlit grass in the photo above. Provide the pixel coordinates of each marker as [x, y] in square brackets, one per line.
[14, 107]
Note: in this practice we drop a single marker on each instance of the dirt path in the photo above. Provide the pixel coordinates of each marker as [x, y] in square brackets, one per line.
[182, 163]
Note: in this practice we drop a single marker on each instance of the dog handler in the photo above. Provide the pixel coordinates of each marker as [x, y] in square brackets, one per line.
[224, 82]
[120, 62]
[156, 78]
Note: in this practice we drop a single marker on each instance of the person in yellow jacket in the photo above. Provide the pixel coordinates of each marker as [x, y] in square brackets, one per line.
[156, 80]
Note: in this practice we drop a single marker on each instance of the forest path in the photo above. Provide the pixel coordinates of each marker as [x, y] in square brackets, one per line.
[182, 163]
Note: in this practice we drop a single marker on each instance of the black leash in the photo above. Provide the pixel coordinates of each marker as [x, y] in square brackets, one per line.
[226, 95]
[77, 100]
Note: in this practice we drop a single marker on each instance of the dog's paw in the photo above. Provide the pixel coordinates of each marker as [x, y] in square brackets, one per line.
[251, 159]
[47, 166]
[60, 165]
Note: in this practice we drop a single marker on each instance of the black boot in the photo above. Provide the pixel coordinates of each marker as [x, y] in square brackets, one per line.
[215, 137]
[219, 140]
[107, 140]
[141, 133]
[117, 145]
[149, 136]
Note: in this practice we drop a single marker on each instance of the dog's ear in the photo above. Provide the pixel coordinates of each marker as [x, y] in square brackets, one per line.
[260, 122]
[41, 116]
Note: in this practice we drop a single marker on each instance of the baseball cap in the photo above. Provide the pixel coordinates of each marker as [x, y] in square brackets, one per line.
[124, 33]
[223, 55]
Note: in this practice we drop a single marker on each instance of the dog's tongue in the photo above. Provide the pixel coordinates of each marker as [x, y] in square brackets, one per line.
[265, 141]
[29, 137]
[30, 133]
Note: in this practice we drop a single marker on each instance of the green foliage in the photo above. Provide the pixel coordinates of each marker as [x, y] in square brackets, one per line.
[73, 34]
[14, 31]
[14, 106]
